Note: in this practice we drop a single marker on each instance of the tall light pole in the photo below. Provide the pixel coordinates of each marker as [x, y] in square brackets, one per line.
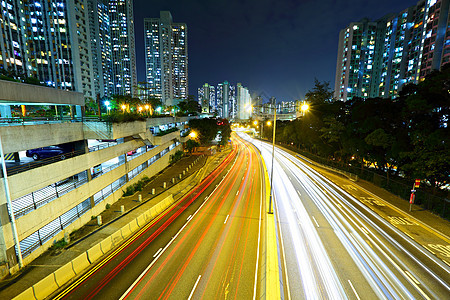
[273, 154]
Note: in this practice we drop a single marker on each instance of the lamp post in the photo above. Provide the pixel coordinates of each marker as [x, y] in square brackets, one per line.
[273, 154]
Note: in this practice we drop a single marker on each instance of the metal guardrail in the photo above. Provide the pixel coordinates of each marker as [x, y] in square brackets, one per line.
[17, 121]
[349, 175]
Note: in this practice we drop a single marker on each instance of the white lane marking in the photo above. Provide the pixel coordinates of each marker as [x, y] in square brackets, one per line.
[195, 286]
[157, 252]
[364, 230]
[299, 194]
[190, 216]
[354, 291]
[412, 277]
[226, 219]
[408, 235]
[282, 249]
[167, 246]
[315, 221]
[237, 193]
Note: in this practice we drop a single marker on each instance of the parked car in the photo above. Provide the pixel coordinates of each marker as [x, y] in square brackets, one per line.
[129, 153]
[44, 152]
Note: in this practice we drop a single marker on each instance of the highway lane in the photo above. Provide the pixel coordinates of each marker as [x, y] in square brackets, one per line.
[333, 246]
[208, 246]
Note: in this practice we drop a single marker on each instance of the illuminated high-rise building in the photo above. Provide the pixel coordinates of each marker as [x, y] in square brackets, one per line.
[49, 40]
[123, 52]
[356, 55]
[435, 49]
[100, 33]
[166, 58]
[225, 100]
[392, 51]
[207, 98]
[243, 102]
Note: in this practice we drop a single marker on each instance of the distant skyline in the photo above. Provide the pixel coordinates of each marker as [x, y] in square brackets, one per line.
[275, 48]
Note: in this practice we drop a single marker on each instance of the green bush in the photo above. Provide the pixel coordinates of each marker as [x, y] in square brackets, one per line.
[164, 132]
[176, 156]
[59, 244]
[119, 117]
[136, 187]
[129, 191]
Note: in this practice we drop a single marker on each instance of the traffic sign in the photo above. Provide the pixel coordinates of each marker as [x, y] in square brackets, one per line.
[417, 183]
[411, 199]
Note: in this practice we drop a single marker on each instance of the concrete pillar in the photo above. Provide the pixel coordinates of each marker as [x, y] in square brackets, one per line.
[153, 191]
[180, 175]
[164, 184]
[173, 180]
[122, 209]
[99, 220]
[140, 198]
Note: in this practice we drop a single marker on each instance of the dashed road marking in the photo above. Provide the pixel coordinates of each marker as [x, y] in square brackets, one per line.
[396, 220]
[443, 250]
[315, 221]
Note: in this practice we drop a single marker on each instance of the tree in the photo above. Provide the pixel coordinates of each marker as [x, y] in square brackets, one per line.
[191, 145]
[321, 93]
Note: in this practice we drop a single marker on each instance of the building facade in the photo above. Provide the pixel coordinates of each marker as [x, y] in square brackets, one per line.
[207, 98]
[79, 45]
[166, 58]
[123, 52]
[243, 102]
[219, 100]
[375, 59]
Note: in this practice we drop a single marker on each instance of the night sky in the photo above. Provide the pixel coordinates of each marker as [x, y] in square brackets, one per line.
[275, 48]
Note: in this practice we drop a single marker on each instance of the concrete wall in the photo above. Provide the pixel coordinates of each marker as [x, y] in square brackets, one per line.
[21, 138]
[36, 219]
[38, 178]
[15, 92]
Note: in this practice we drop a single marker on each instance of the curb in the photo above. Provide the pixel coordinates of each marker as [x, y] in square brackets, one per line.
[273, 290]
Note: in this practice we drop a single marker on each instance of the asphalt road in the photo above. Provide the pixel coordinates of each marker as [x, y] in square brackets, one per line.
[208, 246]
[335, 245]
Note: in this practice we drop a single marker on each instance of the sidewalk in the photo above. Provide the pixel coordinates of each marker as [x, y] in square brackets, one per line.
[112, 218]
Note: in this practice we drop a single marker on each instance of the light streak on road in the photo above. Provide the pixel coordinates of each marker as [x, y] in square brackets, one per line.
[391, 270]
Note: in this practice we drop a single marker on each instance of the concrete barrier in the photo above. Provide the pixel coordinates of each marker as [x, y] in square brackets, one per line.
[26, 295]
[116, 237]
[45, 287]
[133, 225]
[80, 263]
[125, 230]
[141, 220]
[94, 253]
[106, 244]
[64, 274]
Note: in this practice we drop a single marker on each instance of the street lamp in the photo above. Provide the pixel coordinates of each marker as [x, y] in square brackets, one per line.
[193, 134]
[108, 108]
[123, 108]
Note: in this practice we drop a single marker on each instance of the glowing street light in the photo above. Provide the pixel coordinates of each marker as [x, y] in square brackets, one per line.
[123, 107]
[255, 122]
[304, 107]
[140, 108]
[193, 134]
